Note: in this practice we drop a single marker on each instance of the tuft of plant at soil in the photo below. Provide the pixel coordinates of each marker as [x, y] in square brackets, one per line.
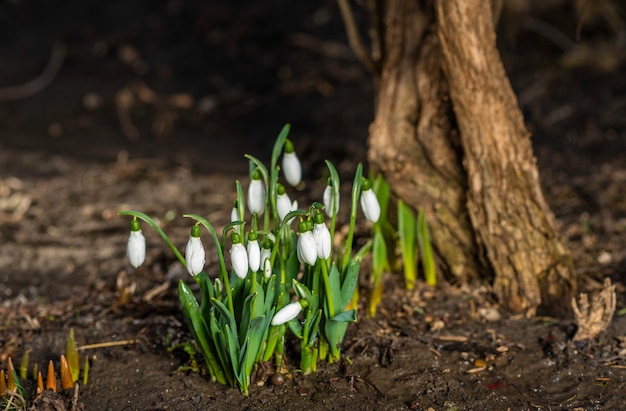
[13, 395]
[284, 272]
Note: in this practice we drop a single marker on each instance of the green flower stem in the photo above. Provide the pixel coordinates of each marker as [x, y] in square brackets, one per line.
[356, 191]
[154, 225]
[277, 150]
[329, 298]
[220, 254]
[334, 179]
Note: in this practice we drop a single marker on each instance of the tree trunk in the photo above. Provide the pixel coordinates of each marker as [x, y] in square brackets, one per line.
[449, 137]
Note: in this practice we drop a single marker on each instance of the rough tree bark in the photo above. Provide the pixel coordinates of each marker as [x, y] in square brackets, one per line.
[449, 137]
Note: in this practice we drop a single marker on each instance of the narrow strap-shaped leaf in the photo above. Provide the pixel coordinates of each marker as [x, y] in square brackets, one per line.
[346, 316]
[227, 316]
[335, 184]
[407, 231]
[256, 332]
[350, 282]
[356, 191]
[426, 250]
[199, 328]
[334, 287]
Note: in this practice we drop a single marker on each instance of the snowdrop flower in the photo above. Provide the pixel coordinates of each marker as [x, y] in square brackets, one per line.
[287, 313]
[136, 246]
[328, 197]
[369, 202]
[234, 215]
[266, 255]
[254, 252]
[307, 247]
[239, 256]
[322, 237]
[256, 194]
[194, 252]
[283, 203]
[267, 268]
[291, 165]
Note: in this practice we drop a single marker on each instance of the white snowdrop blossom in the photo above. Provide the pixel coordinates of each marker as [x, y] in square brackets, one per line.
[254, 253]
[267, 268]
[239, 257]
[307, 247]
[234, 216]
[328, 197]
[287, 313]
[256, 194]
[369, 202]
[322, 239]
[266, 254]
[283, 203]
[292, 168]
[136, 246]
[194, 253]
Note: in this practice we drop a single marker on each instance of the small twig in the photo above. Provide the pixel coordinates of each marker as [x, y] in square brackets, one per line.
[40, 82]
[107, 344]
[74, 406]
[353, 36]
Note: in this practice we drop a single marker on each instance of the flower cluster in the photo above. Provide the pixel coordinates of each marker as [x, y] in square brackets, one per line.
[244, 313]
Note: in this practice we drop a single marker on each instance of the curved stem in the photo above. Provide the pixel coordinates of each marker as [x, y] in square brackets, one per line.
[153, 224]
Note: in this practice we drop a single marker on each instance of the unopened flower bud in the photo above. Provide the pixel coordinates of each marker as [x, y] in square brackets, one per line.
[287, 313]
[239, 257]
[322, 237]
[283, 203]
[136, 245]
[256, 194]
[291, 165]
[306, 247]
[330, 200]
[194, 252]
[254, 252]
[369, 202]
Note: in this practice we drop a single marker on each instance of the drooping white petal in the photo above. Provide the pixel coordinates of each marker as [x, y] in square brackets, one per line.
[266, 253]
[234, 216]
[292, 168]
[322, 239]
[256, 196]
[283, 205]
[370, 205]
[239, 260]
[194, 255]
[254, 255]
[136, 248]
[267, 268]
[307, 248]
[327, 198]
[287, 313]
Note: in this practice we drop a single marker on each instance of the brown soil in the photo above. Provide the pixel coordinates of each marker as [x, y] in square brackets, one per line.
[66, 169]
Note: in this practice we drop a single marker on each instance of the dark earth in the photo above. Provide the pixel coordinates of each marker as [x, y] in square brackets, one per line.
[153, 108]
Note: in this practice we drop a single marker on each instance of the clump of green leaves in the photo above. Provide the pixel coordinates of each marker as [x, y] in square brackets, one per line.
[284, 274]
